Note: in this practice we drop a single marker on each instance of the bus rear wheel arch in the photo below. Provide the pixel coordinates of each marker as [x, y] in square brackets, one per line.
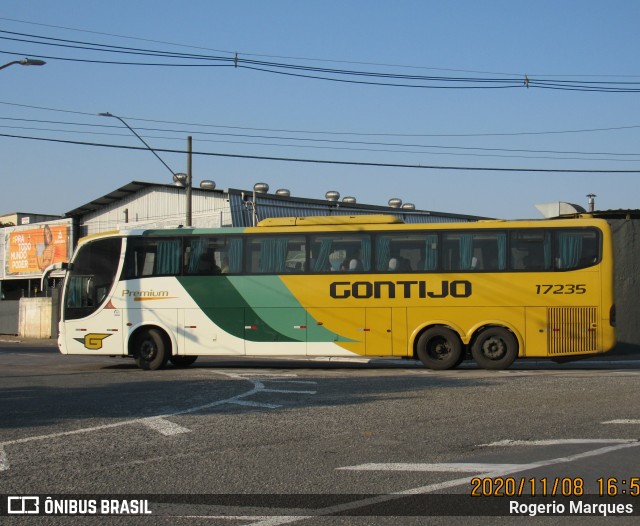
[440, 348]
[151, 348]
[495, 348]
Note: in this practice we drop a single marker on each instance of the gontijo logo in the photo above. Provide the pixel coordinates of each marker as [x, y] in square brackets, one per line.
[93, 340]
[401, 289]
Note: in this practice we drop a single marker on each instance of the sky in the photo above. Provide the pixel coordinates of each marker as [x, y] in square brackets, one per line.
[483, 108]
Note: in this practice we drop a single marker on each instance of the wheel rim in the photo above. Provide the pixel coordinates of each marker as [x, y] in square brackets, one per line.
[494, 348]
[148, 350]
[439, 349]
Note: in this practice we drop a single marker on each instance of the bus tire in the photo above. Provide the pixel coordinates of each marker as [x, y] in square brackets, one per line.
[495, 348]
[439, 348]
[151, 349]
[182, 361]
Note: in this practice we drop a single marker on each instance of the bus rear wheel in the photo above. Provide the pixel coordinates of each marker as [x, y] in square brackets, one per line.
[495, 348]
[182, 361]
[151, 350]
[439, 348]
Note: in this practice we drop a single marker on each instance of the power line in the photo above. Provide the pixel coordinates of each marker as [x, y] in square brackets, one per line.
[325, 132]
[310, 59]
[331, 162]
[457, 150]
[374, 78]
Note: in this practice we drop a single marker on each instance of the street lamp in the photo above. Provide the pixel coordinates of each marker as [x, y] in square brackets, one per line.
[176, 177]
[25, 62]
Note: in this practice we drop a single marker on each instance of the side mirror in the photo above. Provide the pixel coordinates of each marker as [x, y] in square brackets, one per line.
[56, 266]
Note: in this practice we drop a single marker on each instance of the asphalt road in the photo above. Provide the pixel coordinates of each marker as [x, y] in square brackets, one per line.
[230, 441]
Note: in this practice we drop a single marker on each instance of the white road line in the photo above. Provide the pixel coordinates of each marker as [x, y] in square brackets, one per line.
[432, 488]
[285, 391]
[4, 461]
[165, 427]
[559, 442]
[453, 467]
[244, 374]
[623, 421]
[257, 387]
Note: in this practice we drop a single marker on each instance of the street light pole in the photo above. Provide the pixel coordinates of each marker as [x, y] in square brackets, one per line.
[25, 62]
[187, 181]
[107, 114]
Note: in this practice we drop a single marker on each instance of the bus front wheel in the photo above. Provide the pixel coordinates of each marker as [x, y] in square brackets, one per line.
[439, 348]
[495, 348]
[151, 350]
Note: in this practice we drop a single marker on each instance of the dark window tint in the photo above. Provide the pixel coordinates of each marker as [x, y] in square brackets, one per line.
[276, 254]
[148, 257]
[91, 277]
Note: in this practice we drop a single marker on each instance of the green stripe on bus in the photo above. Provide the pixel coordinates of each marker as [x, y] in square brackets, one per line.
[270, 313]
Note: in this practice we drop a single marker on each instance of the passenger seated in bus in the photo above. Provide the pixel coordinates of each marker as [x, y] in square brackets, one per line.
[533, 261]
[352, 262]
[405, 265]
[225, 265]
[399, 264]
[207, 264]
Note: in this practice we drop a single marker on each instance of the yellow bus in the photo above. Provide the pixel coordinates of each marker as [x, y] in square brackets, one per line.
[350, 286]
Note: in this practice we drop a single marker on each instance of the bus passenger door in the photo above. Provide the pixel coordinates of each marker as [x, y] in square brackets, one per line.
[378, 332]
[275, 331]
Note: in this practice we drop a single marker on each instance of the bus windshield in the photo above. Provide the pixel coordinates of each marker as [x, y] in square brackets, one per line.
[91, 277]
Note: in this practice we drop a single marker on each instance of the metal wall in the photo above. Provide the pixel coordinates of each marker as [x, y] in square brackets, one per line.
[276, 206]
[9, 310]
[626, 236]
[157, 206]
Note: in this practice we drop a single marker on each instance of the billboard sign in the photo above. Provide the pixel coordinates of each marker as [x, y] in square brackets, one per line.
[31, 249]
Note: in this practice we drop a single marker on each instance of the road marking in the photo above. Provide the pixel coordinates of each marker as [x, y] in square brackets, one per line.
[164, 427]
[157, 422]
[433, 488]
[559, 442]
[453, 467]
[623, 421]
[4, 461]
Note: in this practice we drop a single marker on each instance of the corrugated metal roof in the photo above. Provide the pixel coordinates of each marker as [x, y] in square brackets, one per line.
[271, 205]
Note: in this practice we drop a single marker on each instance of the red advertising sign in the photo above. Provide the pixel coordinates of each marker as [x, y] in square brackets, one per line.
[31, 250]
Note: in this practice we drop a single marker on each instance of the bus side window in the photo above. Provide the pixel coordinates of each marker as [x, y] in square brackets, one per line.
[575, 249]
[148, 257]
[276, 254]
[530, 250]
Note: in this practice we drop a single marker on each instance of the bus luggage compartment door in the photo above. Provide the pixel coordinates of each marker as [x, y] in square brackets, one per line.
[378, 332]
[275, 331]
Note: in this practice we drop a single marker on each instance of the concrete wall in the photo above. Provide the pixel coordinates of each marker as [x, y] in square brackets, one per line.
[34, 318]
